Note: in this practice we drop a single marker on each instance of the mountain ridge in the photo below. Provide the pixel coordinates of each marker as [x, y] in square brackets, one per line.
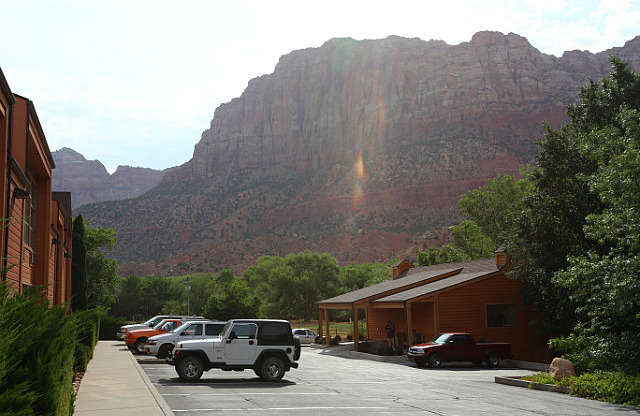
[356, 148]
[89, 181]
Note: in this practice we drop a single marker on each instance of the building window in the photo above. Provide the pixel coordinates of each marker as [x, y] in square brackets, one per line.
[501, 315]
[30, 218]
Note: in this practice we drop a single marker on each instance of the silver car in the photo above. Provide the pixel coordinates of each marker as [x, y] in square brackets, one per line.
[161, 345]
[306, 336]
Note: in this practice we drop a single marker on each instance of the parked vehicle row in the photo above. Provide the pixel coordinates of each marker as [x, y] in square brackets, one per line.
[125, 329]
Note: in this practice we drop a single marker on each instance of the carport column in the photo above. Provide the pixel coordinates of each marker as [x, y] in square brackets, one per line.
[326, 323]
[319, 321]
[407, 311]
[354, 313]
[436, 317]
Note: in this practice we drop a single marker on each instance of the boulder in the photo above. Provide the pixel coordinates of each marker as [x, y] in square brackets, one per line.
[561, 368]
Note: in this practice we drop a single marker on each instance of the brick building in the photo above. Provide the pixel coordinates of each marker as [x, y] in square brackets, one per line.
[35, 237]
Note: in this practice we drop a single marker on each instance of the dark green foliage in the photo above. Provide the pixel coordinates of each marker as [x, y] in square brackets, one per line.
[615, 387]
[612, 387]
[577, 242]
[102, 277]
[109, 325]
[88, 324]
[357, 276]
[79, 285]
[290, 287]
[237, 300]
[39, 350]
[447, 254]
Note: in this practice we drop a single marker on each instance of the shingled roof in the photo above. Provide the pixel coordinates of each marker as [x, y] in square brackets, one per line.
[433, 287]
[412, 280]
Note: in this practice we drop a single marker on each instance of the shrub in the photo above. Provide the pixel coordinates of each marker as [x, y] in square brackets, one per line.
[37, 343]
[41, 347]
[615, 387]
[612, 387]
[109, 326]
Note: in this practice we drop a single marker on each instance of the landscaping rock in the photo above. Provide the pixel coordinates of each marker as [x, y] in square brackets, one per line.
[561, 368]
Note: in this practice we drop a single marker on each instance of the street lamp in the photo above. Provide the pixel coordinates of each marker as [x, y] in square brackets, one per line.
[188, 290]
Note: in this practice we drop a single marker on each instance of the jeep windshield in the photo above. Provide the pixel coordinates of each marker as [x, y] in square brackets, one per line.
[225, 329]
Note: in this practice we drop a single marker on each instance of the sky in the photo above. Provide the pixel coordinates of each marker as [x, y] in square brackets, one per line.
[136, 82]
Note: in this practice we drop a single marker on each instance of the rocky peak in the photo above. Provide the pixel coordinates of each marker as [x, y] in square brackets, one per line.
[89, 181]
[356, 148]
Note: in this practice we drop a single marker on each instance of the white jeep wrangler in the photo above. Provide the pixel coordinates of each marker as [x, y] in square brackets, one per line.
[264, 345]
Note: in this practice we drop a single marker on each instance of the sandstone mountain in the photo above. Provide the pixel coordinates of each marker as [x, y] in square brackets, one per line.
[89, 181]
[357, 148]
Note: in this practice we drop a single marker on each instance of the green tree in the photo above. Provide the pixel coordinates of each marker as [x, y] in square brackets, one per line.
[236, 301]
[551, 230]
[604, 278]
[469, 238]
[494, 209]
[102, 272]
[446, 254]
[357, 276]
[158, 290]
[128, 298]
[291, 286]
[79, 285]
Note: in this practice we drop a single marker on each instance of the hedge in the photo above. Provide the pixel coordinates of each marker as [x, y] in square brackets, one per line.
[41, 349]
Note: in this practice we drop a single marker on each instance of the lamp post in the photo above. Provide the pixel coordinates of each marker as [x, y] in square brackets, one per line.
[188, 290]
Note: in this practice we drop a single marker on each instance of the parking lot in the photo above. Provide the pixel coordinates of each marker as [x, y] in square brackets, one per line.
[338, 384]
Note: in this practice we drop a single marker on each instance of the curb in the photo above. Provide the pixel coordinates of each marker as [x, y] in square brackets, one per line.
[518, 382]
[164, 407]
[382, 358]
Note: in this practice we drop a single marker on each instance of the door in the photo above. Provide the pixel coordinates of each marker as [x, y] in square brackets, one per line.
[193, 331]
[241, 346]
[456, 349]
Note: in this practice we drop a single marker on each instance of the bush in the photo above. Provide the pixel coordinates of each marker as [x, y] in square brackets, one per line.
[109, 325]
[41, 347]
[612, 387]
[615, 387]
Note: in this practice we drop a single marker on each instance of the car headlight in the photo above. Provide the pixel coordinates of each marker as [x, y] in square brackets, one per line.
[150, 342]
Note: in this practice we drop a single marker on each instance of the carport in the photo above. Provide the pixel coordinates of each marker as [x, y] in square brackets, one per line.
[404, 278]
[472, 296]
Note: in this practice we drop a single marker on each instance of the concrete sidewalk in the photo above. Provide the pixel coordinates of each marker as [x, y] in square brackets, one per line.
[114, 384]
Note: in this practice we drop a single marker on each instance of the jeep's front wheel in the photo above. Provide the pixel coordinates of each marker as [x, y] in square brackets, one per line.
[190, 369]
[272, 369]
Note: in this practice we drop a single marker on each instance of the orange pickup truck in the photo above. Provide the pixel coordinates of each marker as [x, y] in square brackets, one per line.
[136, 339]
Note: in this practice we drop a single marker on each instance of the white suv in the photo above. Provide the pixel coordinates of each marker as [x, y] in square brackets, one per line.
[266, 346]
[161, 345]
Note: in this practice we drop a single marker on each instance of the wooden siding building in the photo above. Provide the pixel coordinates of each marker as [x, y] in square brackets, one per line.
[473, 296]
[35, 237]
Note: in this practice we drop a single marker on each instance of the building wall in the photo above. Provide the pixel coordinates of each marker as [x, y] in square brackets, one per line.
[463, 309]
[32, 247]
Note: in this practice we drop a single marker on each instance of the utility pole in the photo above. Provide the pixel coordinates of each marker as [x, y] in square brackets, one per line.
[188, 290]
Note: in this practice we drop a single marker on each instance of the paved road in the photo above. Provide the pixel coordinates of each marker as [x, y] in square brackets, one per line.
[328, 384]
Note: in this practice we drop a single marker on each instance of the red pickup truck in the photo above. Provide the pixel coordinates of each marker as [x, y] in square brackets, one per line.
[458, 346]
